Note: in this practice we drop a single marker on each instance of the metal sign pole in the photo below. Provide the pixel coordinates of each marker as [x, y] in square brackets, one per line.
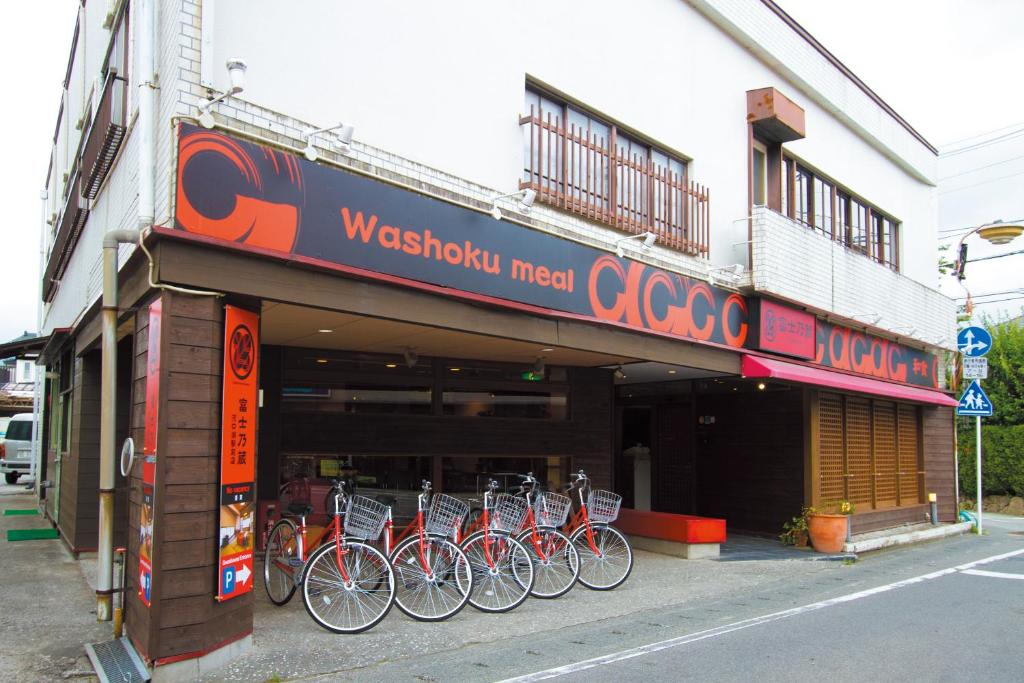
[977, 429]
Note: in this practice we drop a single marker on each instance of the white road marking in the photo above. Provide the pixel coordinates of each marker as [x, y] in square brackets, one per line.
[755, 621]
[995, 575]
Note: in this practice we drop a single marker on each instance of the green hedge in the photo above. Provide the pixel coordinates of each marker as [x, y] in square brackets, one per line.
[1002, 460]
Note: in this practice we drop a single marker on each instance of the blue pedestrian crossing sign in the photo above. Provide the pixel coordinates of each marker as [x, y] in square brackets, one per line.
[974, 402]
[974, 341]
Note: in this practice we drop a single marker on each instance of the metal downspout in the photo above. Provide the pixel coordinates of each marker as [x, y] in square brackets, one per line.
[108, 422]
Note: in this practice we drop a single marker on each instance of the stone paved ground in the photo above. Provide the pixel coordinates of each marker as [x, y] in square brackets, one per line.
[48, 611]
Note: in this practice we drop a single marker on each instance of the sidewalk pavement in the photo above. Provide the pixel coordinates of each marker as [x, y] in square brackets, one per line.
[49, 611]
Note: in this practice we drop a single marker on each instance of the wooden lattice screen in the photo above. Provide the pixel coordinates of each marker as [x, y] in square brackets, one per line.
[886, 458]
[858, 450]
[831, 485]
[908, 456]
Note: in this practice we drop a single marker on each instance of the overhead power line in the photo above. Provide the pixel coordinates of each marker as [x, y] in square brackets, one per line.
[981, 168]
[984, 134]
[986, 143]
[984, 182]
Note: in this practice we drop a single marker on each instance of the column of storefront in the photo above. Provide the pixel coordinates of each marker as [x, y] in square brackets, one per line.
[183, 620]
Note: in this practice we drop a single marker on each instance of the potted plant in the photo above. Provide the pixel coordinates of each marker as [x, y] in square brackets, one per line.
[794, 532]
[828, 530]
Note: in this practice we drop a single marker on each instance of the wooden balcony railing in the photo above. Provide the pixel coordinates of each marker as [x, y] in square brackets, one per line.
[105, 134]
[585, 174]
[72, 221]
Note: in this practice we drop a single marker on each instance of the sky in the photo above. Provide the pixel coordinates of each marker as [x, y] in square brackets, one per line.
[951, 68]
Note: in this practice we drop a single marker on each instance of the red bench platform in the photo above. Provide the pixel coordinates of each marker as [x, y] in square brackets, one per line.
[684, 535]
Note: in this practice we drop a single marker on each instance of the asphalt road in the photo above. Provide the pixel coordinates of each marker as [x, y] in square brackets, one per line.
[927, 612]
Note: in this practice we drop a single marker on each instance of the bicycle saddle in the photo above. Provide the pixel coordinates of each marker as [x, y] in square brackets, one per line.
[300, 509]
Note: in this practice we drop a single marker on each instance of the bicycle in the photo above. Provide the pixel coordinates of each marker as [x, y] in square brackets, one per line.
[606, 558]
[502, 570]
[433, 575]
[556, 562]
[348, 586]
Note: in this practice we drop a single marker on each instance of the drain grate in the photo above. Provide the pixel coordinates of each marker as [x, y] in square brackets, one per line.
[117, 661]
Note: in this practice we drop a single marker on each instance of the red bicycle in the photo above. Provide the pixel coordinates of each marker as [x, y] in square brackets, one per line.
[556, 562]
[502, 569]
[348, 586]
[433, 576]
[606, 558]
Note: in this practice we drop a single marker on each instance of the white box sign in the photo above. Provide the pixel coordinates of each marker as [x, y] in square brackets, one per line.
[975, 368]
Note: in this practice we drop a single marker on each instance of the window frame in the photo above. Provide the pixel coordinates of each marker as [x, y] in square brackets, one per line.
[851, 220]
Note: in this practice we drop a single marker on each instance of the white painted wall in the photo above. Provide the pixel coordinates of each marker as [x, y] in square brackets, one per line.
[442, 84]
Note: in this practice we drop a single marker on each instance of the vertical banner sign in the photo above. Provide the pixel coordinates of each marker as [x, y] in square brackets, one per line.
[237, 453]
[149, 454]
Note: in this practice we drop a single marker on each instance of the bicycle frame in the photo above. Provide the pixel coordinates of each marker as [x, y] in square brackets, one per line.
[417, 525]
[531, 521]
[333, 529]
[581, 518]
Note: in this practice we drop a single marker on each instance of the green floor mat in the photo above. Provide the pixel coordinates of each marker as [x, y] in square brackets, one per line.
[24, 511]
[30, 534]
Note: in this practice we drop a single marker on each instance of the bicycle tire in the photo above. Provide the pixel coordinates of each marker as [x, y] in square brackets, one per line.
[506, 586]
[281, 549]
[612, 567]
[354, 608]
[437, 598]
[555, 575]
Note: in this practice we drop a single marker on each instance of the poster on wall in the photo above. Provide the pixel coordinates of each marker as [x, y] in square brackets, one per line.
[237, 455]
[149, 455]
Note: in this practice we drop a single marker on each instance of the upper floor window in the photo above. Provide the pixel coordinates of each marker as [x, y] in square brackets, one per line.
[822, 204]
[580, 162]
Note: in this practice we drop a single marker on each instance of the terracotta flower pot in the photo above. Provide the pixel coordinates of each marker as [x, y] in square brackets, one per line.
[827, 532]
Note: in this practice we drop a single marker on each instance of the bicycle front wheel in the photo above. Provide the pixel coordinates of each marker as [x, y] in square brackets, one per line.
[438, 591]
[353, 605]
[556, 564]
[281, 562]
[504, 582]
[609, 566]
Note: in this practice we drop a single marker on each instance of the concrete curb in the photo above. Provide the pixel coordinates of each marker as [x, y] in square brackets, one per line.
[943, 531]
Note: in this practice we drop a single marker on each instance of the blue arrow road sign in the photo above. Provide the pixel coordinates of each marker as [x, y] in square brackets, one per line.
[974, 402]
[974, 341]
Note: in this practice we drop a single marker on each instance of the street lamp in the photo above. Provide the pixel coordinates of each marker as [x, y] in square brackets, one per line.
[997, 232]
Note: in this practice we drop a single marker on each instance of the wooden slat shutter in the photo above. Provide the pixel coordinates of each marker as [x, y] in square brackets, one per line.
[908, 456]
[886, 464]
[858, 450]
[830, 448]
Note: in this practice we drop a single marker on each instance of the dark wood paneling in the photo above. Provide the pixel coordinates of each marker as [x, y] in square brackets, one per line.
[673, 461]
[939, 462]
[750, 462]
[886, 519]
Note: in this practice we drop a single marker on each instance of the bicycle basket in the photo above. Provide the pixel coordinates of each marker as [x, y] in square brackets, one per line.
[551, 509]
[446, 515]
[365, 518]
[603, 506]
[508, 513]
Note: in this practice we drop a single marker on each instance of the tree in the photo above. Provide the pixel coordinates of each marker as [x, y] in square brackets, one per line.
[1005, 383]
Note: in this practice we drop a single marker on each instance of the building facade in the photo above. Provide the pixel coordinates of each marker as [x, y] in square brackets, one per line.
[545, 244]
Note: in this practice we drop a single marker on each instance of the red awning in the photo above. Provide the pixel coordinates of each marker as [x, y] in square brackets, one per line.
[756, 366]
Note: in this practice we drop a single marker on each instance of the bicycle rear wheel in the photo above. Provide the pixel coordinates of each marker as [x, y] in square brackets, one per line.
[505, 582]
[556, 567]
[610, 566]
[278, 568]
[349, 606]
[437, 593]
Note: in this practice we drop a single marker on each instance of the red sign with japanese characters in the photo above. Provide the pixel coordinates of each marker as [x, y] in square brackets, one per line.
[782, 329]
[149, 443]
[238, 452]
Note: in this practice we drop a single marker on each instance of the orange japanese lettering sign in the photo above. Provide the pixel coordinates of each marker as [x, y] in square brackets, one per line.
[238, 452]
[149, 443]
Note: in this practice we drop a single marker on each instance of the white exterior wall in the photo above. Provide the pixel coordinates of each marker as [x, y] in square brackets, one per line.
[450, 90]
[435, 92]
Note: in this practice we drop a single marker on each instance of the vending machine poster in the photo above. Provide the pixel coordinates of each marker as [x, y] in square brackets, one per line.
[238, 450]
[149, 455]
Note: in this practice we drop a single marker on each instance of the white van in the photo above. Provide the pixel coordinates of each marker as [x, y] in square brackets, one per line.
[16, 450]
